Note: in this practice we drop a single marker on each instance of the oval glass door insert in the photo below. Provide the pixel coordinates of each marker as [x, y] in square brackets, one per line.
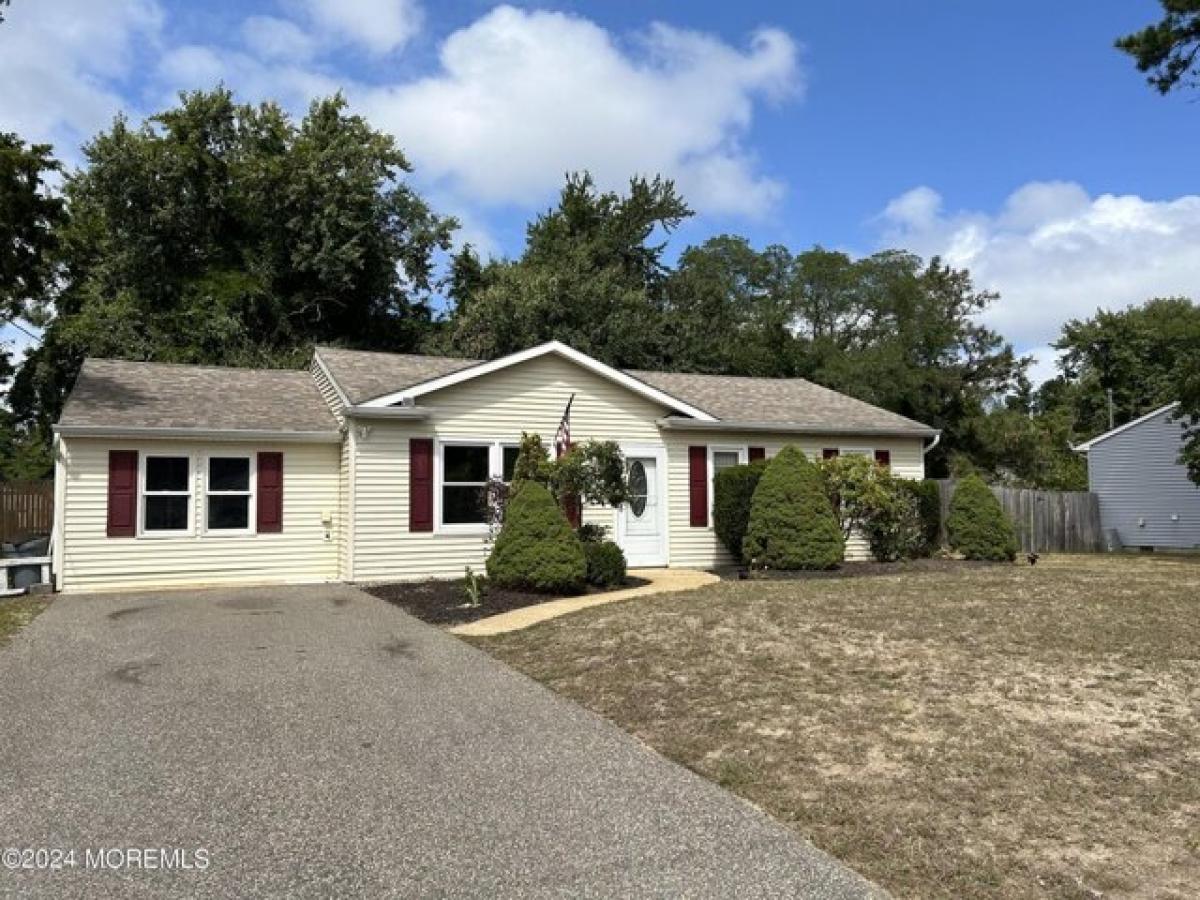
[637, 488]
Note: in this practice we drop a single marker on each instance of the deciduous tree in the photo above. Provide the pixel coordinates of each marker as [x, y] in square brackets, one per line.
[219, 232]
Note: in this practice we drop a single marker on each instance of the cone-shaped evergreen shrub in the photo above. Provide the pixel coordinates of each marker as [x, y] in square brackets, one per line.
[536, 549]
[977, 526]
[792, 525]
[732, 492]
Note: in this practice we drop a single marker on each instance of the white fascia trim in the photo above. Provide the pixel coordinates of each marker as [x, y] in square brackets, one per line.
[559, 348]
[337, 388]
[671, 423]
[387, 412]
[1088, 445]
[199, 434]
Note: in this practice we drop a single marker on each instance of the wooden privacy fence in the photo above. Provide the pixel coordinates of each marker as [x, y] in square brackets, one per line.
[26, 509]
[1046, 521]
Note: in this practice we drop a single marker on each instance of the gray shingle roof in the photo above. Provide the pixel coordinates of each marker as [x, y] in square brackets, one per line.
[791, 402]
[366, 374]
[119, 394]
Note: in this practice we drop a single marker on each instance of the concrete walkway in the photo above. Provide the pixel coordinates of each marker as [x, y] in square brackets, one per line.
[662, 581]
[317, 742]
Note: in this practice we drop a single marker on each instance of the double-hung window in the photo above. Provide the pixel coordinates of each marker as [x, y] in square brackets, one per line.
[228, 494]
[167, 495]
[465, 468]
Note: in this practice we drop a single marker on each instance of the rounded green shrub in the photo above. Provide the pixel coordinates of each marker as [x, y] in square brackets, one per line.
[732, 493]
[977, 525]
[536, 549]
[792, 525]
[605, 563]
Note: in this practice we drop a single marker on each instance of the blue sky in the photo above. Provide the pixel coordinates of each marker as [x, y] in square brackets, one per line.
[1009, 137]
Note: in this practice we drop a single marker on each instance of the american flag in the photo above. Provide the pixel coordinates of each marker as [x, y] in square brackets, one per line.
[562, 438]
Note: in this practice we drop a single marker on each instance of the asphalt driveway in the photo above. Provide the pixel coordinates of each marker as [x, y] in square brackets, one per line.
[316, 741]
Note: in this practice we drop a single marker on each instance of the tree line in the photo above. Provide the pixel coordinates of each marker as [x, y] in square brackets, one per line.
[225, 233]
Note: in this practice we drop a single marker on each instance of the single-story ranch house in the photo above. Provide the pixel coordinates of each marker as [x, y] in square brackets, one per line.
[368, 467]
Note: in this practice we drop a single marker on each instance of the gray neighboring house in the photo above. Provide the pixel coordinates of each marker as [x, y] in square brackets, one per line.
[1146, 497]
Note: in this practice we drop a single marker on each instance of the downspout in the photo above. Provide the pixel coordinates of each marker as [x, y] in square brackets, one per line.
[57, 529]
[937, 439]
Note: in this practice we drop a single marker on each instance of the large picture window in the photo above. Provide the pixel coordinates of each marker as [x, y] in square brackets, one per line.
[166, 495]
[228, 492]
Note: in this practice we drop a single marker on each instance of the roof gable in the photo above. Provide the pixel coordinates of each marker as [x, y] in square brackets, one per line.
[376, 381]
[460, 371]
[1121, 429]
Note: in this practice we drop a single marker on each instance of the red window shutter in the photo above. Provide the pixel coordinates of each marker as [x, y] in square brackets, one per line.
[883, 458]
[122, 493]
[270, 493]
[757, 453]
[420, 484]
[829, 453]
[698, 486]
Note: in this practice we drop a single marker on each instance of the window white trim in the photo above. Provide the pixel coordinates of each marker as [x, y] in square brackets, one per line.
[743, 452]
[142, 494]
[251, 495]
[495, 470]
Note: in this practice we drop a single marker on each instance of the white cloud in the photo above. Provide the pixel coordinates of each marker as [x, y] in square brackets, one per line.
[274, 38]
[523, 97]
[379, 26]
[1055, 253]
[1045, 364]
[62, 64]
[198, 66]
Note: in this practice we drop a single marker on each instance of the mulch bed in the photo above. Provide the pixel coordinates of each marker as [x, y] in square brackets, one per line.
[865, 570]
[444, 602]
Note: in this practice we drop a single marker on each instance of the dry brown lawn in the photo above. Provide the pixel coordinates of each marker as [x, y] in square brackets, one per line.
[1000, 731]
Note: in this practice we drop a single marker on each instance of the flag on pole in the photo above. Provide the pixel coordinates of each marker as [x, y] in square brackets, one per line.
[562, 438]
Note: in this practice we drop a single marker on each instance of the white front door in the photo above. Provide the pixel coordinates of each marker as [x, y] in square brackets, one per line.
[641, 523]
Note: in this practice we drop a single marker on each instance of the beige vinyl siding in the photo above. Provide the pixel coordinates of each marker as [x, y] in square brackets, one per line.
[302, 552]
[699, 547]
[529, 396]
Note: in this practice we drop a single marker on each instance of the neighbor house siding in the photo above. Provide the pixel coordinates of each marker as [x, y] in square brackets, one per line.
[693, 547]
[302, 552]
[530, 397]
[1145, 495]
